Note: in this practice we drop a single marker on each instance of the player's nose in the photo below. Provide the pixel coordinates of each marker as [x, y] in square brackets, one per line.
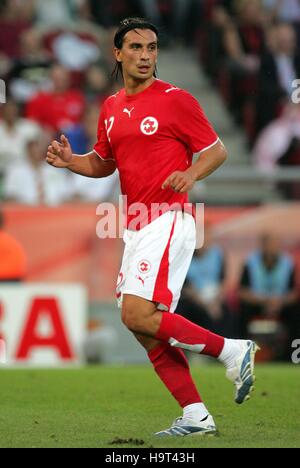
[145, 54]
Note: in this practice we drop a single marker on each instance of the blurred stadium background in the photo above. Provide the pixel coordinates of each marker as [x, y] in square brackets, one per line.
[240, 59]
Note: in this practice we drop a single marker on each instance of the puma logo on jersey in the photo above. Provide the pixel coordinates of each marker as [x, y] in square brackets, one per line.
[142, 280]
[126, 111]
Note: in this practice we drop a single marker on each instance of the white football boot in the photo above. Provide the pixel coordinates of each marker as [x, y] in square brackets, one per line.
[242, 374]
[183, 427]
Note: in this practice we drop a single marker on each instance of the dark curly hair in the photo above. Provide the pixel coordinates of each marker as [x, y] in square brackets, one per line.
[125, 26]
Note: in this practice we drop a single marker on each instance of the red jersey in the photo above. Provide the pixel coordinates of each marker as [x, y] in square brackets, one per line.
[150, 135]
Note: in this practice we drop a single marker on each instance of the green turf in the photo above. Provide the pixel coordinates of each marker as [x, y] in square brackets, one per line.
[92, 407]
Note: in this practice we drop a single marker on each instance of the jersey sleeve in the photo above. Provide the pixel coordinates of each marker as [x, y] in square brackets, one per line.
[191, 124]
[103, 148]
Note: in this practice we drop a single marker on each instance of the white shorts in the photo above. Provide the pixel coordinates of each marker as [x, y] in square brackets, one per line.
[157, 258]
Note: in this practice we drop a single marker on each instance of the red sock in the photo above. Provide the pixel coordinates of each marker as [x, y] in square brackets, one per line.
[180, 332]
[172, 367]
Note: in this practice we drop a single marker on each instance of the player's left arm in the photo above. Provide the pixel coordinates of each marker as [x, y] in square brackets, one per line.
[208, 162]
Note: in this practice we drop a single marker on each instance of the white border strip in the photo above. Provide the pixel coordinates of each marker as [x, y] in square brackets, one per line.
[210, 146]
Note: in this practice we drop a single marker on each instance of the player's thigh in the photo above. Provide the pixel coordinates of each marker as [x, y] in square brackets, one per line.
[144, 262]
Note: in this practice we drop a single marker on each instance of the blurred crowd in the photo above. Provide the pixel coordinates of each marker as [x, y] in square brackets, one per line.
[264, 305]
[56, 60]
[250, 50]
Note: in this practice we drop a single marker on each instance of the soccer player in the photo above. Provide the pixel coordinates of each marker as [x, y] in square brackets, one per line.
[149, 132]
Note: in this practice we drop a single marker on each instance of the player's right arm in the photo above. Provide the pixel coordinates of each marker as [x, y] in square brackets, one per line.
[60, 155]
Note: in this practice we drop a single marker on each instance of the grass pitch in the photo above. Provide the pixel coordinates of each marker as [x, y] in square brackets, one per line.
[115, 407]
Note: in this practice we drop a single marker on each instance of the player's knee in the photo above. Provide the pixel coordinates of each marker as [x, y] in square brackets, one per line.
[137, 314]
[129, 318]
[148, 343]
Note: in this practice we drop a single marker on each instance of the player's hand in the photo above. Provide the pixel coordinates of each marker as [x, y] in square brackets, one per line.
[59, 153]
[179, 182]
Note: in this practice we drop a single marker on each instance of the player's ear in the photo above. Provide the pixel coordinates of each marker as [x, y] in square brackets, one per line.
[118, 55]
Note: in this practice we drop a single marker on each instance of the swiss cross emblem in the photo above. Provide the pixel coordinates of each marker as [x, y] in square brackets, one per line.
[144, 266]
[149, 126]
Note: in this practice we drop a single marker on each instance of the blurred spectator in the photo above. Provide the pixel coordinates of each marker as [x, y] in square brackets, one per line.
[57, 12]
[288, 11]
[280, 66]
[82, 136]
[211, 43]
[15, 17]
[228, 5]
[268, 289]
[284, 10]
[76, 48]
[60, 108]
[244, 43]
[97, 83]
[279, 142]
[203, 295]
[150, 10]
[110, 13]
[32, 182]
[15, 132]
[75, 51]
[279, 146]
[12, 255]
[185, 17]
[30, 71]
[82, 140]
[176, 19]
